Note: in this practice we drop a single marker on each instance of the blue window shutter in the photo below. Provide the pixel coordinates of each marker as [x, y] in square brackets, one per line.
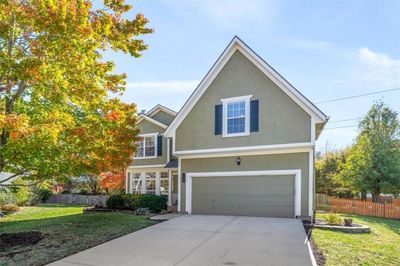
[254, 116]
[159, 145]
[218, 119]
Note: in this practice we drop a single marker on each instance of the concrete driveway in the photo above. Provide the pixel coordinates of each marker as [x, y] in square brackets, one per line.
[204, 240]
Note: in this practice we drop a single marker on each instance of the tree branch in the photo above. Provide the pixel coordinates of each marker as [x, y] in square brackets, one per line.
[11, 177]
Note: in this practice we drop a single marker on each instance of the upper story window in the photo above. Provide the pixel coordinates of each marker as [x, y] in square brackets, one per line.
[236, 116]
[147, 146]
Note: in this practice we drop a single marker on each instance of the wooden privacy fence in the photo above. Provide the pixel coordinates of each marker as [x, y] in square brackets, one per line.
[79, 199]
[366, 208]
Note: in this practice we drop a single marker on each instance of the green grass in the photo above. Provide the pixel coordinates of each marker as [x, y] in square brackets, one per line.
[66, 231]
[380, 247]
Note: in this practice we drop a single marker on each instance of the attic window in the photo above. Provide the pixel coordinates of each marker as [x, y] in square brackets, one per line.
[236, 116]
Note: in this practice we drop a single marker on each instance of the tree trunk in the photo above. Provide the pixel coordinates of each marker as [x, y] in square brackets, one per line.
[376, 195]
[363, 195]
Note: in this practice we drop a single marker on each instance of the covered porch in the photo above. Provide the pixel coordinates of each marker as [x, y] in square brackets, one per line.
[158, 180]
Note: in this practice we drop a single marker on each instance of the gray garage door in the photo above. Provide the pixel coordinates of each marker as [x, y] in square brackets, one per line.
[269, 196]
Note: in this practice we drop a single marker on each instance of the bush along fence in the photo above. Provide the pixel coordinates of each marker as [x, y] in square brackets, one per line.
[365, 208]
[99, 200]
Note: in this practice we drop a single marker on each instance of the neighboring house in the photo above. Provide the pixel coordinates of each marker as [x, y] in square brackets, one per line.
[242, 144]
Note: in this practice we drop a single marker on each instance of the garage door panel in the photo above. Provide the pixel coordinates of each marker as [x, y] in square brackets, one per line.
[258, 200]
[244, 195]
[266, 211]
[239, 189]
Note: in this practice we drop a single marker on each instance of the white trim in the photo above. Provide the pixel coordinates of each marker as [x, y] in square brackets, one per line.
[169, 187]
[155, 135]
[247, 150]
[179, 184]
[237, 44]
[146, 166]
[151, 120]
[168, 151]
[225, 102]
[312, 133]
[311, 183]
[295, 172]
[159, 108]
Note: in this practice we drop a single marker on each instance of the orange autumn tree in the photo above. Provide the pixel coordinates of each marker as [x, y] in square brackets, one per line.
[56, 115]
[111, 182]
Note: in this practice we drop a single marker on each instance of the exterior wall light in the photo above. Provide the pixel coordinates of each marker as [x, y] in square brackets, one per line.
[238, 160]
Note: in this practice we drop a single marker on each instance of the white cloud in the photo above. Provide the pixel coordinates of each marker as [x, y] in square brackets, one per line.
[170, 93]
[378, 69]
[229, 13]
[163, 87]
[307, 44]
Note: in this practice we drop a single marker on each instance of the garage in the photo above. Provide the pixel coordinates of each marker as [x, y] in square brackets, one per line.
[263, 194]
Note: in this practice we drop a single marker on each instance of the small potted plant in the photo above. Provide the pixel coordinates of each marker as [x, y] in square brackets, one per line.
[348, 222]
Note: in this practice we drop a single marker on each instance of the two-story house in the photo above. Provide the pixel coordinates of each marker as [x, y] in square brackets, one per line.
[242, 144]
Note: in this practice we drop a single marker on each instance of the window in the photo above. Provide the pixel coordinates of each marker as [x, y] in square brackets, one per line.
[150, 182]
[136, 183]
[164, 184]
[236, 116]
[146, 146]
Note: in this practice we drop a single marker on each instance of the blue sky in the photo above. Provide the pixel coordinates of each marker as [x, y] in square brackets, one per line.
[326, 49]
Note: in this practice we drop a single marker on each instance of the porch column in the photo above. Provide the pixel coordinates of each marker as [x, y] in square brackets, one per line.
[143, 178]
[158, 182]
[169, 187]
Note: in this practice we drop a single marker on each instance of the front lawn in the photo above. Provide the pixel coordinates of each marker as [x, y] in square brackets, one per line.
[66, 230]
[380, 247]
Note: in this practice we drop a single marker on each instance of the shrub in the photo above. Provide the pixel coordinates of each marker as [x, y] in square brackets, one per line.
[84, 192]
[42, 194]
[6, 197]
[130, 201]
[23, 196]
[332, 218]
[9, 208]
[116, 202]
[154, 202]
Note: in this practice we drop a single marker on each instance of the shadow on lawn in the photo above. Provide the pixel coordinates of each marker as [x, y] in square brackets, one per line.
[66, 235]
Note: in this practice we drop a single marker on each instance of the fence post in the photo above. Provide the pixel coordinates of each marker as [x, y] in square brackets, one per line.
[384, 209]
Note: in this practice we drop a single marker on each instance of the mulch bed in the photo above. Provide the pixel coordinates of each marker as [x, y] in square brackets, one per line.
[20, 239]
[318, 254]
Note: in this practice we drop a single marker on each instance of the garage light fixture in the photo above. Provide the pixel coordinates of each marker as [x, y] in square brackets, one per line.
[238, 160]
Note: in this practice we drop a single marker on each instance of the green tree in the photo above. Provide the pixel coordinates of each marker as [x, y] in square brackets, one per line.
[373, 163]
[56, 115]
[327, 167]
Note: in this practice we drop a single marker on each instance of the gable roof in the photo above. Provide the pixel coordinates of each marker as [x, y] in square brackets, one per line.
[238, 45]
[151, 120]
[158, 108]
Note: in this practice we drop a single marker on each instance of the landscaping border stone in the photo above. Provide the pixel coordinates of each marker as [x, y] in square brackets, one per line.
[355, 229]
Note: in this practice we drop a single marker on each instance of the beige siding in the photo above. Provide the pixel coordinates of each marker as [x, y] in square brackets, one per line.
[281, 120]
[253, 163]
[163, 117]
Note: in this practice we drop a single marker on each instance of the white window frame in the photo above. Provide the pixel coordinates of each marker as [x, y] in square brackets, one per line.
[225, 103]
[155, 135]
